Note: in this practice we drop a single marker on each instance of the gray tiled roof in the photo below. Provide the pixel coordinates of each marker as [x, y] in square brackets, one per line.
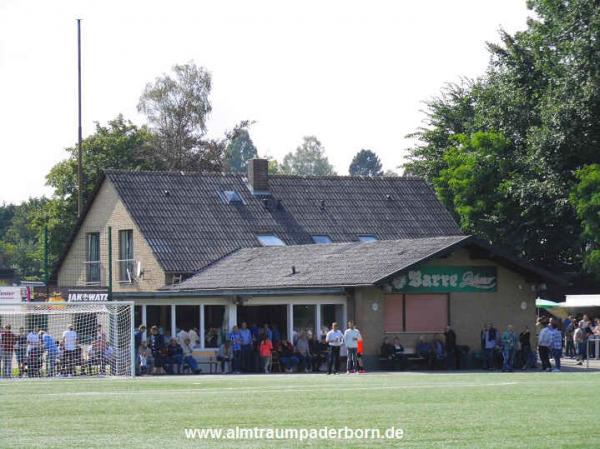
[339, 265]
[188, 226]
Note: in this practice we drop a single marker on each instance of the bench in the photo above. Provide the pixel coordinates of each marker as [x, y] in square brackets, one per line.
[207, 357]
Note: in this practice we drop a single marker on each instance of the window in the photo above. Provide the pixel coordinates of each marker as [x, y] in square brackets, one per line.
[321, 239]
[367, 238]
[426, 313]
[92, 259]
[231, 196]
[393, 318]
[270, 240]
[126, 262]
[415, 313]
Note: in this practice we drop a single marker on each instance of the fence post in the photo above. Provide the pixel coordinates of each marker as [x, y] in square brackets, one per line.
[46, 251]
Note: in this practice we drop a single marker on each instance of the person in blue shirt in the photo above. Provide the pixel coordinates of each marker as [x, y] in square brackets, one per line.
[236, 346]
[489, 345]
[276, 334]
[424, 349]
[556, 343]
[51, 353]
[268, 331]
[246, 337]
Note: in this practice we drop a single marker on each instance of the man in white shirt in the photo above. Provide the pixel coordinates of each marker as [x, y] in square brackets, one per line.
[334, 339]
[351, 337]
[70, 341]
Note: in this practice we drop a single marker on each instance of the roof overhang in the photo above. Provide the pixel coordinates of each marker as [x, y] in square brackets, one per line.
[489, 252]
[231, 293]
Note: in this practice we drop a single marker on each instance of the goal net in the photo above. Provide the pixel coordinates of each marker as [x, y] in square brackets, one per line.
[66, 339]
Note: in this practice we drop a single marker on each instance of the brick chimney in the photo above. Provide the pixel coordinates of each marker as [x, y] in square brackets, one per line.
[258, 175]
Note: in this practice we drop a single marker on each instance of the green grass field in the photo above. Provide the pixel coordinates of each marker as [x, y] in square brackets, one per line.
[481, 410]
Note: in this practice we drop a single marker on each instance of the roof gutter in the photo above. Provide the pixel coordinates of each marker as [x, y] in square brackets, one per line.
[225, 292]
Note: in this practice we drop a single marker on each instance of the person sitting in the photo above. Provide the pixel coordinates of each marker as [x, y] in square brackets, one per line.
[438, 353]
[318, 350]
[225, 356]
[387, 354]
[96, 356]
[424, 349]
[303, 352]
[398, 356]
[287, 357]
[188, 358]
[174, 357]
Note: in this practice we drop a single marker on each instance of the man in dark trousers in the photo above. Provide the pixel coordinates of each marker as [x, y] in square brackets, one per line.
[451, 352]
[334, 339]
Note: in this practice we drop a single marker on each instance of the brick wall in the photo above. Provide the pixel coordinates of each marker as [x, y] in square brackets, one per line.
[108, 210]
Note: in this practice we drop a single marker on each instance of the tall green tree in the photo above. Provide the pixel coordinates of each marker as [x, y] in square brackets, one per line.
[586, 199]
[309, 159]
[541, 92]
[239, 151]
[365, 163]
[177, 106]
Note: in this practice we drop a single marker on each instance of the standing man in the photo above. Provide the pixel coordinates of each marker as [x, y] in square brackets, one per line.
[451, 350]
[51, 353]
[7, 345]
[21, 350]
[246, 337]
[351, 337]
[70, 341]
[509, 345]
[489, 336]
[525, 341]
[544, 343]
[236, 347]
[556, 344]
[334, 339]
[579, 338]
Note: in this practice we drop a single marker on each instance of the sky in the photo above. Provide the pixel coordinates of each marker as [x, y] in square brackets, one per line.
[355, 74]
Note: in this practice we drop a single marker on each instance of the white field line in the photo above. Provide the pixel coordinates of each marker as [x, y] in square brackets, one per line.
[252, 389]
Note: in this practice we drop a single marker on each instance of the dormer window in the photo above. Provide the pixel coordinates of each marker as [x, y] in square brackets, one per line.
[365, 238]
[321, 239]
[231, 196]
[270, 240]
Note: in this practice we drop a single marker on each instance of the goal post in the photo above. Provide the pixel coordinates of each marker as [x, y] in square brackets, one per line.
[67, 339]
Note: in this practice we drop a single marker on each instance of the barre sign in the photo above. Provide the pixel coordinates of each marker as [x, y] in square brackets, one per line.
[442, 279]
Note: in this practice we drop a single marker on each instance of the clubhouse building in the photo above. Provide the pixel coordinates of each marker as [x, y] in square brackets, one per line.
[212, 250]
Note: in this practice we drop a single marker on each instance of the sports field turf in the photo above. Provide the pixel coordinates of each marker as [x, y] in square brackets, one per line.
[480, 410]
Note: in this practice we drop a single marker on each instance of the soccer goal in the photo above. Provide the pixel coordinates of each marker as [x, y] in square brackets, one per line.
[67, 339]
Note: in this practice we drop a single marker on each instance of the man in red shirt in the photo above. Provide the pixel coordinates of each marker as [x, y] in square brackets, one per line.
[8, 346]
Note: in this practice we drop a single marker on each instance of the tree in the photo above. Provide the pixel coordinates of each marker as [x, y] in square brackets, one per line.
[177, 108]
[239, 151]
[20, 244]
[541, 93]
[365, 163]
[308, 160]
[585, 197]
[119, 144]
